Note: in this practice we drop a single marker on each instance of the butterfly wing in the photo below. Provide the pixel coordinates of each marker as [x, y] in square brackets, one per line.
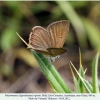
[58, 32]
[50, 41]
[38, 39]
[56, 51]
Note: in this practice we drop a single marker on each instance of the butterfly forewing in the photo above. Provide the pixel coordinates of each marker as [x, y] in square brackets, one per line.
[57, 33]
[39, 39]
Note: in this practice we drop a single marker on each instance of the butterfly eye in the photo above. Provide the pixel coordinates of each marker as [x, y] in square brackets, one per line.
[57, 56]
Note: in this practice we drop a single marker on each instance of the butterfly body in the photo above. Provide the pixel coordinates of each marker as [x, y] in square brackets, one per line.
[49, 42]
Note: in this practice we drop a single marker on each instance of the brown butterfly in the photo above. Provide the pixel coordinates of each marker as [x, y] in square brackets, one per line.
[49, 42]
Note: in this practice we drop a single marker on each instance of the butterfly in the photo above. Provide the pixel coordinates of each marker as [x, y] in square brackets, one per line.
[49, 41]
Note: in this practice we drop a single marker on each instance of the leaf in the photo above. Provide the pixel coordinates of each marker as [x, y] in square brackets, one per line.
[51, 74]
[95, 73]
[76, 83]
[88, 88]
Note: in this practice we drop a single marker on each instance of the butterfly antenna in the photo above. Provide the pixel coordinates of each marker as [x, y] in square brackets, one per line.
[22, 39]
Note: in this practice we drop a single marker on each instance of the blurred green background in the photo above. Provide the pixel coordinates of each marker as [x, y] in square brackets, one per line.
[19, 71]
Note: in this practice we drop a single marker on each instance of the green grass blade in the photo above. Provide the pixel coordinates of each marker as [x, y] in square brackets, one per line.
[76, 83]
[89, 85]
[51, 74]
[81, 79]
[94, 73]
[82, 73]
